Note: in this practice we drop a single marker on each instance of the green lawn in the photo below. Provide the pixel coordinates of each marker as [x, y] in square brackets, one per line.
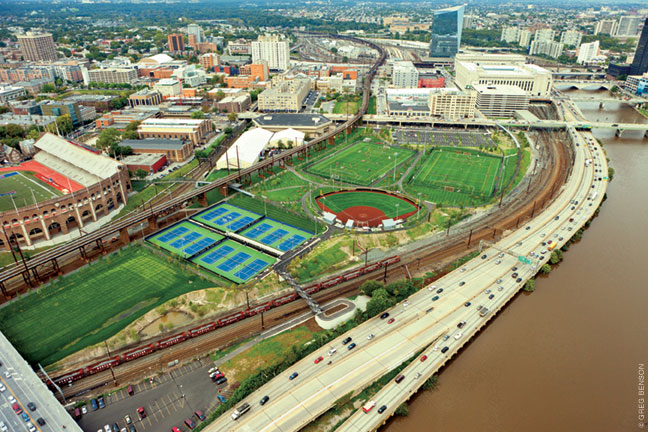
[390, 205]
[346, 107]
[93, 304]
[371, 109]
[278, 213]
[362, 163]
[22, 184]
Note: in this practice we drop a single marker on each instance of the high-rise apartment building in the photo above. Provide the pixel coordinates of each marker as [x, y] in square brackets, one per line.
[587, 52]
[510, 34]
[445, 36]
[113, 75]
[548, 48]
[176, 42]
[274, 49]
[629, 25]
[405, 75]
[524, 39]
[571, 38]
[37, 46]
[544, 35]
[196, 31]
[640, 62]
[606, 27]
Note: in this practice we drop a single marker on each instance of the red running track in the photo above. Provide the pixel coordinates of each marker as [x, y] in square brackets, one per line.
[47, 175]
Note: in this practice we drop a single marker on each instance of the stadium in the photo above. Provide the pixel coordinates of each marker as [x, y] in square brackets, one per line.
[64, 187]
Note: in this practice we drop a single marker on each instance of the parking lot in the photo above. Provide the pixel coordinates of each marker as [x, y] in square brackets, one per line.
[167, 400]
[442, 138]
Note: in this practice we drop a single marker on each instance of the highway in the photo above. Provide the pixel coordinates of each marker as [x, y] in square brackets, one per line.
[294, 403]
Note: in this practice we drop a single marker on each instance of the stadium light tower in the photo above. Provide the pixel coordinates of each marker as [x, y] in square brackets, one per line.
[395, 157]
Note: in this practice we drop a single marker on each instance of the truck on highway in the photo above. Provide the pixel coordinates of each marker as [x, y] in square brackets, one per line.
[238, 412]
[588, 162]
[368, 406]
[484, 311]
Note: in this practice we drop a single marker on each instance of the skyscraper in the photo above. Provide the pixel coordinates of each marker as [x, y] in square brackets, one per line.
[640, 62]
[446, 32]
[274, 49]
[176, 42]
[196, 31]
[37, 46]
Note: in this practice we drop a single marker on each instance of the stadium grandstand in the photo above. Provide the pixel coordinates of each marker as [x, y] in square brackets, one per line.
[90, 186]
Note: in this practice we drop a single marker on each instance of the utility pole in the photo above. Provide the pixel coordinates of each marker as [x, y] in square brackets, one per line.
[112, 372]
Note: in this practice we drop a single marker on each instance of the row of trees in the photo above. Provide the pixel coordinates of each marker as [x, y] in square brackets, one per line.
[110, 138]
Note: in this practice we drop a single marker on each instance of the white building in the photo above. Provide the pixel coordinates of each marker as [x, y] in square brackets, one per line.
[606, 27]
[500, 100]
[286, 96]
[548, 48]
[533, 79]
[524, 38]
[571, 38]
[196, 31]
[273, 49]
[246, 150]
[510, 34]
[168, 87]
[587, 52]
[190, 75]
[447, 103]
[10, 93]
[629, 25]
[544, 35]
[405, 75]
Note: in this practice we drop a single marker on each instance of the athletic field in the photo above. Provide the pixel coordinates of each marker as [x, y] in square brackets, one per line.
[362, 163]
[226, 217]
[367, 208]
[276, 234]
[89, 306]
[19, 186]
[185, 239]
[234, 261]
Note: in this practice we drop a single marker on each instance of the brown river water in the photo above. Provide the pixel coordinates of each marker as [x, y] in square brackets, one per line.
[568, 356]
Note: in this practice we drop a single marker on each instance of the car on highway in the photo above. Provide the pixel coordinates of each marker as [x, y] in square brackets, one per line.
[491, 296]
[391, 320]
[346, 341]
[141, 412]
[264, 399]
[435, 298]
[461, 324]
[467, 304]
[423, 358]
[293, 376]
[518, 280]
[500, 288]
[440, 290]
[332, 351]
[446, 337]
[499, 261]
[432, 288]
[436, 347]
[350, 347]
[458, 335]
[463, 269]
[318, 359]
[528, 228]
[462, 283]
[385, 315]
[399, 378]
[499, 281]
[488, 291]
[444, 349]
[501, 255]
[514, 275]
[371, 336]
[484, 256]
[382, 409]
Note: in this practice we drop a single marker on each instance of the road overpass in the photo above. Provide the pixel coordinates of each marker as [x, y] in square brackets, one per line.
[422, 322]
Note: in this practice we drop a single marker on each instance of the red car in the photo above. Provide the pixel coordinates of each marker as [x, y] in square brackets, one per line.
[319, 359]
[17, 408]
[391, 320]
[141, 412]
[424, 358]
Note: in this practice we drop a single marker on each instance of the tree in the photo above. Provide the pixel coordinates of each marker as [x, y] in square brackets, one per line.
[48, 88]
[529, 286]
[228, 130]
[431, 383]
[141, 173]
[402, 410]
[108, 138]
[378, 304]
[232, 117]
[14, 131]
[196, 115]
[220, 95]
[546, 268]
[64, 123]
[370, 286]
[4, 109]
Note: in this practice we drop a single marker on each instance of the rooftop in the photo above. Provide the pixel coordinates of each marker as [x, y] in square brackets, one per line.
[499, 89]
[153, 144]
[290, 120]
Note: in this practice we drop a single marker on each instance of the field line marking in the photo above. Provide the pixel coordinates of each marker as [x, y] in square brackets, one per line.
[39, 185]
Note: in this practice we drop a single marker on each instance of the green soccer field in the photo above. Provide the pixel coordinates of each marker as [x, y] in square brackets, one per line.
[362, 163]
[91, 305]
[23, 183]
[390, 205]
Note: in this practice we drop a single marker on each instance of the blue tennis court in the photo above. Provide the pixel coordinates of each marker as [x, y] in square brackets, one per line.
[257, 231]
[173, 234]
[234, 262]
[227, 218]
[214, 213]
[199, 245]
[237, 225]
[219, 253]
[274, 237]
[291, 243]
[251, 269]
[184, 241]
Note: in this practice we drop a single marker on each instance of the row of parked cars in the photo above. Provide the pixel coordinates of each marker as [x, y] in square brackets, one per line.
[18, 409]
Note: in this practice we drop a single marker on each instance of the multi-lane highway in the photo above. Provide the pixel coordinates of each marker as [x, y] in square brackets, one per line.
[423, 322]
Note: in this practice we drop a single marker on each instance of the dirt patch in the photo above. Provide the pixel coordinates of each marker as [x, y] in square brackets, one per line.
[335, 309]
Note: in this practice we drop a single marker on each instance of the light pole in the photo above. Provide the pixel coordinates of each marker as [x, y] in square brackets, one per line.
[265, 210]
[395, 157]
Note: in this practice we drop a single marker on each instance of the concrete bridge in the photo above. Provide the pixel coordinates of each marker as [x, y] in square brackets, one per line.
[584, 84]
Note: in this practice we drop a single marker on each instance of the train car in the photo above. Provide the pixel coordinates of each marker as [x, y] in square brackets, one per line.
[257, 309]
[390, 260]
[351, 275]
[103, 365]
[70, 377]
[370, 268]
[138, 352]
[283, 300]
[206, 328]
[171, 340]
[312, 289]
[331, 282]
[231, 319]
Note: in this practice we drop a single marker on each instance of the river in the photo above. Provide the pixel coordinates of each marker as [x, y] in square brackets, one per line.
[565, 357]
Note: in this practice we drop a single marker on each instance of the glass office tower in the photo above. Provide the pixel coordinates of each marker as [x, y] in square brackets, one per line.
[640, 63]
[446, 32]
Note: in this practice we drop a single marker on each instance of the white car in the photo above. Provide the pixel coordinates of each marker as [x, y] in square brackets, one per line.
[371, 336]
[458, 335]
[12, 399]
[3, 427]
[432, 288]
[84, 410]
[2, 387]
[107, 428]
[7, 374]
[498, 261]
[463, 269]
[436, 347]
[31, 427]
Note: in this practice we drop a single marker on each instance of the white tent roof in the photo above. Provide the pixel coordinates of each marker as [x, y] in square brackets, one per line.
[288, 134]
[249, 146]
[159, 59]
